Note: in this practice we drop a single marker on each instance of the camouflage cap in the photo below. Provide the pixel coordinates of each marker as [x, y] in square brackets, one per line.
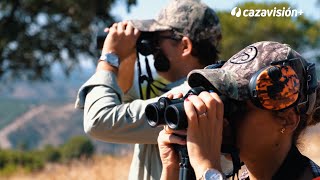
[232, 79]
[191, 18]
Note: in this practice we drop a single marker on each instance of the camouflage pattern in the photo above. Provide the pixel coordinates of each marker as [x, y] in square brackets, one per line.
[276, 95]
[191, 18]
[233, 78]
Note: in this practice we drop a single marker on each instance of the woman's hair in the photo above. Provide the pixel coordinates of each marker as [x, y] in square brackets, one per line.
[308, 120]
[305, 120]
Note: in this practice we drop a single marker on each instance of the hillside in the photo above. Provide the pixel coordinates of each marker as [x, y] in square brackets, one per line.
[48, 123]
[34, 114]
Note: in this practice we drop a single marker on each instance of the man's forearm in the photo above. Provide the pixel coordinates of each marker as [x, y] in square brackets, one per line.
[125, 72]
[104, 66]
[125, 75]
[107, 119]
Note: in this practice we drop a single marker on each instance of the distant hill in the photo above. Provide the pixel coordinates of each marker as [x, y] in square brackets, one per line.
[38, 113]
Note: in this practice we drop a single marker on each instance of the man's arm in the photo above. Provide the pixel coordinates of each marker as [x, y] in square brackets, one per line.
[105, 116]
[108, 119]
[125, 76]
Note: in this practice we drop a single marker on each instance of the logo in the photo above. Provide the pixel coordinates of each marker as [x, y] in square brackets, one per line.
[236, 13]
[244, 56]
[275, 12]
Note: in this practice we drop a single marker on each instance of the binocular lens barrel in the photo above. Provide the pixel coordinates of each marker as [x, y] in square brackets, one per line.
[171, 111]
[154, 115]
[176, 117]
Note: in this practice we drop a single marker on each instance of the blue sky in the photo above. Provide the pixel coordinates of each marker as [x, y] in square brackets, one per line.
[147, 9]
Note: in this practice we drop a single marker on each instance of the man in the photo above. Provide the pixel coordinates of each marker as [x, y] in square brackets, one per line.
[187, 33]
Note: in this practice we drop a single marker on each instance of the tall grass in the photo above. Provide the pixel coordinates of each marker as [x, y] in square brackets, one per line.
[99, 167]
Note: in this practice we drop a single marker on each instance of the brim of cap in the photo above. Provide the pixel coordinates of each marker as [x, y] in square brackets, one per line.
[221, 80]
[149, 25]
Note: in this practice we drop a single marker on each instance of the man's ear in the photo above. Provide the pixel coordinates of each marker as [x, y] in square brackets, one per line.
[186, 45]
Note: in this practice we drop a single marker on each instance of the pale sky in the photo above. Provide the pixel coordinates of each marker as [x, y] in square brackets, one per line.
[147, 9]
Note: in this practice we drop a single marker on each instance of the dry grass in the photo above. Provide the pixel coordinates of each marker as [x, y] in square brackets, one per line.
[110, 168]
[100, 167]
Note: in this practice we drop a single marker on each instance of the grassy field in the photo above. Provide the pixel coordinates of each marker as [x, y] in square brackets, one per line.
[107, 168]
[100, 167]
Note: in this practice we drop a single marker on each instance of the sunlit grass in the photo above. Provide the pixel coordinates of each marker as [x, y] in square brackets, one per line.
[99, 167]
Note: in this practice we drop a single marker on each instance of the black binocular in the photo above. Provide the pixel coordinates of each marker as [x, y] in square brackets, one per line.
[146, 43]
[171, 111]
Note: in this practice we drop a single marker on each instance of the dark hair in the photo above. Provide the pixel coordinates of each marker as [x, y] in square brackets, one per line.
[309, 120]
[305, 120]
[205, 51]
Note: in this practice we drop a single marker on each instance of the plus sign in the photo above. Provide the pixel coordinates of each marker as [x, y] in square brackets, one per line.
[300, 12]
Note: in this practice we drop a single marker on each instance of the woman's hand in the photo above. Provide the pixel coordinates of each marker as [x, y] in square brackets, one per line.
[204, 133]
[170, 159]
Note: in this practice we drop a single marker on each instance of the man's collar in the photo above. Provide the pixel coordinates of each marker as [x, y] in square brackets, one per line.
[176, 83]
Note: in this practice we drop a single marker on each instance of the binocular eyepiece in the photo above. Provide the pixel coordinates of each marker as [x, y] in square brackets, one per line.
[171, 111]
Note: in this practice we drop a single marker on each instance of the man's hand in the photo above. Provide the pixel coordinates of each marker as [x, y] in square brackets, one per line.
[121, 40]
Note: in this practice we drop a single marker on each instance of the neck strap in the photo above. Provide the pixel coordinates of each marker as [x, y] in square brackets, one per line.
[153, 86]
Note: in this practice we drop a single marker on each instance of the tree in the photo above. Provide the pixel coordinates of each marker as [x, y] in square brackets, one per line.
[36, 34]
[300, 33]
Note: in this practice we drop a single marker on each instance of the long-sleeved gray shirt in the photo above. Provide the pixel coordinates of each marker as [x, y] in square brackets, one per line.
[108, 118]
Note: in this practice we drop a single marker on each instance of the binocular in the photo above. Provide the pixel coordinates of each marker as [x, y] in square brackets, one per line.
[146, 43]
[171, 111]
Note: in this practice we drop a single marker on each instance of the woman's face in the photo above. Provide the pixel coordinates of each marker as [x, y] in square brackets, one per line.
[258, 131]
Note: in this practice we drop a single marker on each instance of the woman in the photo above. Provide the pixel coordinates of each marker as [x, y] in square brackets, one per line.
[276, 94]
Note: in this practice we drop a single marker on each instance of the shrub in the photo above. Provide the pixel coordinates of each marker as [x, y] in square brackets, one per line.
[51, 154]
[12, 160]
[77, 147]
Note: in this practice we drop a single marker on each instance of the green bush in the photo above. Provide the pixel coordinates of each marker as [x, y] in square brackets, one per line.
[12, 160]
[77, 147]
[51, 154]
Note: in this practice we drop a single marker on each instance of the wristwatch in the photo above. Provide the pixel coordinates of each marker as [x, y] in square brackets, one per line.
[212, 174]
[111, 58]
